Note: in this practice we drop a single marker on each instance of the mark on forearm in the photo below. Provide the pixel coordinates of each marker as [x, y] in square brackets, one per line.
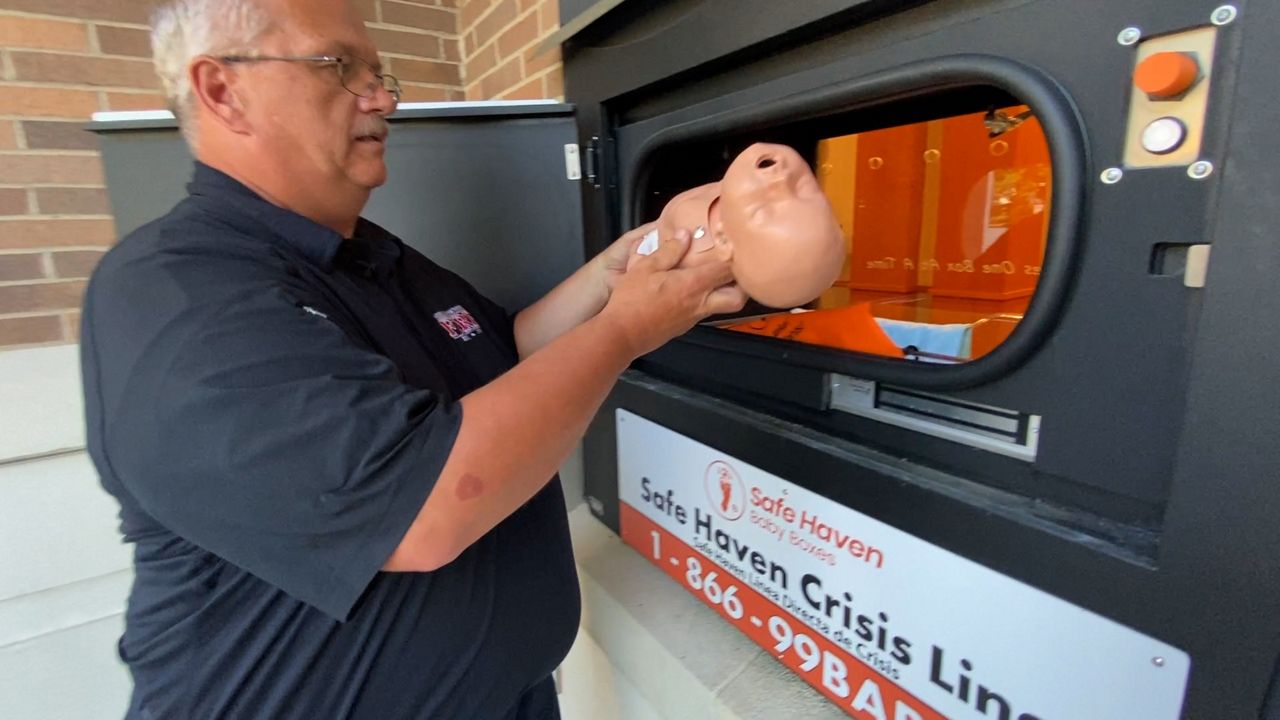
[469, 487]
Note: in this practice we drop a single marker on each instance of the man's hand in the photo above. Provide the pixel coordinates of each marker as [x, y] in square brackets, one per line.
[655, 301]
[612, 263]
[578, 298]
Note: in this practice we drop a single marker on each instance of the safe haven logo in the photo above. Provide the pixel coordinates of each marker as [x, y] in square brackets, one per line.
[777, 515]
[725, 490]
[458, 323]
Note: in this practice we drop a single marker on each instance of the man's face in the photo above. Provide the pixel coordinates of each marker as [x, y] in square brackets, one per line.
[306, 125]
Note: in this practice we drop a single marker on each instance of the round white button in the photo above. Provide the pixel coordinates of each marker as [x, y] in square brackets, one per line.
[1164, 135]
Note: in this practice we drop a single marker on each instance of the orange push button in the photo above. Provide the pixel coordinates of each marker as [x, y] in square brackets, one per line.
[1166, 75]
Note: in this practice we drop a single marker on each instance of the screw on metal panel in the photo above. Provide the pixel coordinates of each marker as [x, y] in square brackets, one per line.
[1224, 15]
[1111, 176]
[1157, 661]
[1129, 36]
[1200, 170]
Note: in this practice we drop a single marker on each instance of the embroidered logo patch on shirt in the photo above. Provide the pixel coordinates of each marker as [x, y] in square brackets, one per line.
[458, 323]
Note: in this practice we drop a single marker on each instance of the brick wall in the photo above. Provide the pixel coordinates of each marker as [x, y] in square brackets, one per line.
[62, 60]
[418, 42]
[498, 40]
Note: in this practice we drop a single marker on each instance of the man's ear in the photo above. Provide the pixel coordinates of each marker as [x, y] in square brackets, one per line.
[215, 86]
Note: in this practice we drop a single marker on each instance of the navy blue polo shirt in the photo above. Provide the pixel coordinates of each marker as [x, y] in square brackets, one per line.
[271, 405]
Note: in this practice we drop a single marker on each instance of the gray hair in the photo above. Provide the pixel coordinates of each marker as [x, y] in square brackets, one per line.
[182, 30]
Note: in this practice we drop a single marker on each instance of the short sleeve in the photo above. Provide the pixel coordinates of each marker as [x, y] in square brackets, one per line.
[253, 426]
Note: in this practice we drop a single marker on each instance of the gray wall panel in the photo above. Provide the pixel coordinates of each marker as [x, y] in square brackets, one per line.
[482, 191]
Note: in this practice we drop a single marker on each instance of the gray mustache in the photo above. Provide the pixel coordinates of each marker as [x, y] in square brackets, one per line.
[373, 126]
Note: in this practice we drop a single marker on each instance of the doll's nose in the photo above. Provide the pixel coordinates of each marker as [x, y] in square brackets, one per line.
[772, 166]
[768, 159]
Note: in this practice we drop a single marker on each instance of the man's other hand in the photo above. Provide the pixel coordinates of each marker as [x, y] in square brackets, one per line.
[613, 261]
[655, 300]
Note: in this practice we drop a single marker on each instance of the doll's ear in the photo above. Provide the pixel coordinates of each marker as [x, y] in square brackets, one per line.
[719, 238]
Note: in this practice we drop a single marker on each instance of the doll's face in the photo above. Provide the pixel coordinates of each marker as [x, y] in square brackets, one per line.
[787, 244]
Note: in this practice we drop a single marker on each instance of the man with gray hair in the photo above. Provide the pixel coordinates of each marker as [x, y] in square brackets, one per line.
[335, 458]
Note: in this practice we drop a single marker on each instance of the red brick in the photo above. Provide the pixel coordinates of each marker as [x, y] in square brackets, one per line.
[447, 3]
[13, 201]
[83, 70]
[534, 64]
[554, 83]
[47, 102]
[126, 11]
[58, 135]
[531, 90]
[473, 92]
[27, 266]
[406, 43]
[417, 16]
[501, 80]
[136, 101]
[72, 320]
[470, 12]
[523, 5]
[134, 42]
[427, 71]
[514, 38]
[76, 263]
[422, 93]
[469, 44]
[73, 201]
[25, 32]
[449, 50]
[41, 297]
[28, 234]
[490, 25]
[8, 138]
[482, 62]
[549, 14]
[30, 330]
[50, 170]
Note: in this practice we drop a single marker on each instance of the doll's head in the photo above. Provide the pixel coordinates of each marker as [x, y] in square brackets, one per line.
[786, 244]
[769, 217]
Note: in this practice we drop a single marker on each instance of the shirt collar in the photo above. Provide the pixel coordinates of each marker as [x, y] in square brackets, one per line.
[316, 242]
[371, 252]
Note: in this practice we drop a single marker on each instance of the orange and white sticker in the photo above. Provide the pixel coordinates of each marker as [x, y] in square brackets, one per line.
[884, 624]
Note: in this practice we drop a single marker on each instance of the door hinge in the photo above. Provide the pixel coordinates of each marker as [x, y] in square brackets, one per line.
[593, 161]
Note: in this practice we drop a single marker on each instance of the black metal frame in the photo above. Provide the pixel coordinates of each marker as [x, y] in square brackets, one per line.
[1067, 149]
[1154, 501]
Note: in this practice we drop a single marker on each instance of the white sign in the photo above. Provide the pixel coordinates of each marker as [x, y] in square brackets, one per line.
[884, 624]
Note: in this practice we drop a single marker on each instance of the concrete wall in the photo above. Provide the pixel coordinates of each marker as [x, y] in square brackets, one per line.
[64, 573]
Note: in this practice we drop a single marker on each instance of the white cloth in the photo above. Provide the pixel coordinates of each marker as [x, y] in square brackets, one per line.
[649, 244]
[953, 340]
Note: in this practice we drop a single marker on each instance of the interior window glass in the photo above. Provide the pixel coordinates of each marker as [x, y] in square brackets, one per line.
[945, 224]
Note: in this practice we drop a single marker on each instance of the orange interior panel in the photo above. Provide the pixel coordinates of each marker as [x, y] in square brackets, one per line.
[945, 224]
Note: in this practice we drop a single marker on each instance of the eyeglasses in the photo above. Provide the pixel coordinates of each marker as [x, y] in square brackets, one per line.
[357, 76]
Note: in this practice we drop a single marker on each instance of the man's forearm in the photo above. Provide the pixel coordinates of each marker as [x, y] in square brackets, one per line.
[570, 304]
[516, 431]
